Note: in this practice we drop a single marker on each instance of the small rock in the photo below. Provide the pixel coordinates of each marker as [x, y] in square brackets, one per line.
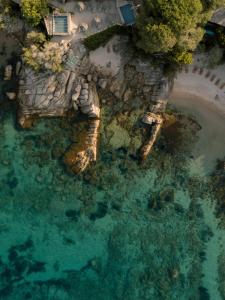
[78, 88]
[27, 92]
[95, 78]
[39, 178]
[127, 95]
[75, 107]
[18, 67]
[147, 119]
[75, 96]
[11, 95]
[89, 77]
[83, 97]
[85, 86]
[84, 92]
[102, 83]
[8, 72]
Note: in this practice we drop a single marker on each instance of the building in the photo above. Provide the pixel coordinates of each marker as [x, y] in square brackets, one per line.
[58, 24]
[126, 11]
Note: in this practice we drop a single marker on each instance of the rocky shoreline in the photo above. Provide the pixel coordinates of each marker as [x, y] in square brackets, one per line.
[77, 87]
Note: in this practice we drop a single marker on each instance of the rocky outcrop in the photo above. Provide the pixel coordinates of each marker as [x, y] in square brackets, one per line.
[155, 123]
[86, 98]
[53, 94]
[44, 94]
[79, 156]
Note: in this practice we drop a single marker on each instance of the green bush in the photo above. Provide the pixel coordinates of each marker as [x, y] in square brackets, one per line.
[37, 38]
[101, 38]
[220, 34]
[48, 56]
[181, 57]
[34, 10]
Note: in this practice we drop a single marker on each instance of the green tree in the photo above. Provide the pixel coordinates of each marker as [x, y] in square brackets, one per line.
[173, 26]
[34, 10]
[37, 38]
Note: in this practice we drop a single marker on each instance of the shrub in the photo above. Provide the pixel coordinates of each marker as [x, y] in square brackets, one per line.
[46, 57]
[34, 10]
[220, 34]
[182, 57]
[101, 38]
[35, 37]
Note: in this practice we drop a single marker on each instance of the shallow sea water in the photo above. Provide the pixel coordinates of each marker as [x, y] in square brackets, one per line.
[120, 231]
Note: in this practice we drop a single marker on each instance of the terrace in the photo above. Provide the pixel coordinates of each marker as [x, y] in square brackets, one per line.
[85, 18]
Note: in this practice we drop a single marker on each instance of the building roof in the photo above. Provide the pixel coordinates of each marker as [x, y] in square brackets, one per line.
[219, 17]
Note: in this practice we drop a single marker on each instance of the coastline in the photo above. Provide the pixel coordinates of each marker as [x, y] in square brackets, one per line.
[207, 84]
[210, 146]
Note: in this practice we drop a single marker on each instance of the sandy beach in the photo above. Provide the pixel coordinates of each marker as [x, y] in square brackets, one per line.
[211, 144]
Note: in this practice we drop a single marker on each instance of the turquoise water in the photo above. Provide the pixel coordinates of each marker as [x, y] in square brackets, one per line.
[120, 231]
[60, 24]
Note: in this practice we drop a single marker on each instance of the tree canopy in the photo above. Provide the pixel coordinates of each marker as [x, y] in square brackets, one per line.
[173, 26]
[34, 10]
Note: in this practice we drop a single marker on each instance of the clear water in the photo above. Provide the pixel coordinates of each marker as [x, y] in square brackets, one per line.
[128, 14]
[120, 231]
[60, 24]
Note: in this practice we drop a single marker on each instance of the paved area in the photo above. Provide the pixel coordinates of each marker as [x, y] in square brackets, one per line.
[89, 17]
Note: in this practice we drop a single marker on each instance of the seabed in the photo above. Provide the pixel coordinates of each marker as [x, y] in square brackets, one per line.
[119, 231]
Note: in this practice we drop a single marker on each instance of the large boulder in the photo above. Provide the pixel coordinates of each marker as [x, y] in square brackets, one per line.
[79, 156]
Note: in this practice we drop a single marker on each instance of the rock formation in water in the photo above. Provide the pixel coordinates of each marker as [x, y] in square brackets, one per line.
[54, 94]
[80, 155]
[155, 122]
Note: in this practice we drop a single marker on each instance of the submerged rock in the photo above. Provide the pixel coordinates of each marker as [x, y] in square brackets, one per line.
[11, 95]
[156, 123]
[8, 72]
[79, 156]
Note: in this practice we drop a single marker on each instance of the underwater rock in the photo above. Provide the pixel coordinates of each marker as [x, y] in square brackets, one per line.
[79, 156]
[174, 273]
[72, 214]
[18, 67]
[8, 72]
[101, 211]
[102, 83]
[11, 95]
[156, 124]
[158, 200]
[25, 121]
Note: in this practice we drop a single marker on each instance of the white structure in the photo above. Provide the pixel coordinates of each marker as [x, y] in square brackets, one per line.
[58, 24]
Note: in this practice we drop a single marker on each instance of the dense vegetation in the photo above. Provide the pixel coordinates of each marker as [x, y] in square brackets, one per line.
[173, 27]
[101, 38]
[34, 10]
[40, 54]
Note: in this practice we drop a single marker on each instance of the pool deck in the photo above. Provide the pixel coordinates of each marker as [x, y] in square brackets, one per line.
[88, 17]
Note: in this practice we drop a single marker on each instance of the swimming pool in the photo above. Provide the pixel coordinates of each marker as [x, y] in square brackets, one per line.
[60, 24]
[127, 12]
